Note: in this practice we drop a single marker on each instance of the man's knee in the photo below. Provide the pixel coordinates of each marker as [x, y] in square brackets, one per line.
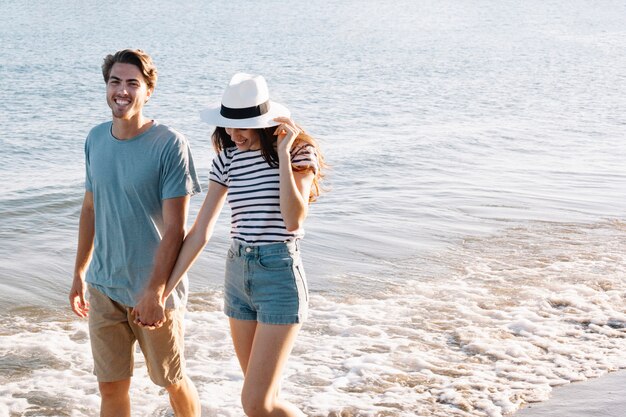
[177, 387]
[182, 389]
[114, 389]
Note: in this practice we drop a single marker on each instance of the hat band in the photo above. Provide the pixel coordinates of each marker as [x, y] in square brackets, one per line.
[246, 112]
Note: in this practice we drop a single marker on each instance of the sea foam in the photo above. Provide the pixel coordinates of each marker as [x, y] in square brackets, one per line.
[515, 315]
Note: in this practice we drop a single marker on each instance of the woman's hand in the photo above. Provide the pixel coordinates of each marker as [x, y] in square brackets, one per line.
[149, 311]
[287, 133]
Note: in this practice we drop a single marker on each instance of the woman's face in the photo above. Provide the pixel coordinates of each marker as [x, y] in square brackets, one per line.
[245, 139]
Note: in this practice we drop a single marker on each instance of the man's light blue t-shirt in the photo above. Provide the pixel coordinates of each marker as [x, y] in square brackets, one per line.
[129, 180]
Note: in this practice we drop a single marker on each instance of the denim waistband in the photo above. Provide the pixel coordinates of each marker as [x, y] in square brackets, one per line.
[241, 248]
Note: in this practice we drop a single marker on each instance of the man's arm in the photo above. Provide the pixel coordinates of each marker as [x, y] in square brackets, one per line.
[149, 309]
[86, 233]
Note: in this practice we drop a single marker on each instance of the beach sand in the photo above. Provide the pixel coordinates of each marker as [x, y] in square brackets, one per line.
[602, 397]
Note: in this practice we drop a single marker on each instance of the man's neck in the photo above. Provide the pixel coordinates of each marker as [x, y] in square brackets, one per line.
[129, 128]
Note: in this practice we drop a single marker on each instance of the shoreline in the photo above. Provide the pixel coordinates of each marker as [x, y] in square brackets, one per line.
[600, 397]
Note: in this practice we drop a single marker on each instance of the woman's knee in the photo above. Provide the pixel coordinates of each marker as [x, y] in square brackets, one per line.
[256, 405]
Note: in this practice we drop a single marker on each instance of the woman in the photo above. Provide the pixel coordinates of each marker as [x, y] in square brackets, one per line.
[269, 170]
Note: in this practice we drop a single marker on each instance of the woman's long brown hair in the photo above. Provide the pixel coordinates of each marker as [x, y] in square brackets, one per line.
[221, 140]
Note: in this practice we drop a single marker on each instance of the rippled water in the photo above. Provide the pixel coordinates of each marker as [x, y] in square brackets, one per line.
[468, 256]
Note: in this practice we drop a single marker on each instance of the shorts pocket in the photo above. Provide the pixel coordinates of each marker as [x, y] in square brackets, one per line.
[276, 261]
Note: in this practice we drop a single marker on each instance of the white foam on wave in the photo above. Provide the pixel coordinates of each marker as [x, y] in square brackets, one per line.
[515, 315]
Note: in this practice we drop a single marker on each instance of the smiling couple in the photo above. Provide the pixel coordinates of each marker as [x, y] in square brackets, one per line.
[133, 250]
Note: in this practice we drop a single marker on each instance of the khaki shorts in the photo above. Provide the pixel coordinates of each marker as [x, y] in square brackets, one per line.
[113, 334]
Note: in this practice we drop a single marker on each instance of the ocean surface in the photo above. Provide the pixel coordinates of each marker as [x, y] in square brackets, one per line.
[468, 256]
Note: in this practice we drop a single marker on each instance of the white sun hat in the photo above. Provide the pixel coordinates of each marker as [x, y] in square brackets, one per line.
[245, 104]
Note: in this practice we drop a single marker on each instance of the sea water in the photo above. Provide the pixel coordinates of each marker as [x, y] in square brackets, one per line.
[469, 253]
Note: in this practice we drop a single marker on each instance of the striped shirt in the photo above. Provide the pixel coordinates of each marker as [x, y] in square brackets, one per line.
[254, 193]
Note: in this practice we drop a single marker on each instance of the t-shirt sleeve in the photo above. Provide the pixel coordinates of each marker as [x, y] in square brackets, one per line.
[178, 175]
[88, 185]
[219, 169]
[304, 157]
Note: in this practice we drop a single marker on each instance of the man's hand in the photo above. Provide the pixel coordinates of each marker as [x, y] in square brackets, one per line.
[149, 312]
[77, 298]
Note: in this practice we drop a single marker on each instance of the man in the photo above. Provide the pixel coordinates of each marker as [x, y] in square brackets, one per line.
[139, 177]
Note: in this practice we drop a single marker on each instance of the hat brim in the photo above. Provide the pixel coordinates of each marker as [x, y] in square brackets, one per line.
[212, 116]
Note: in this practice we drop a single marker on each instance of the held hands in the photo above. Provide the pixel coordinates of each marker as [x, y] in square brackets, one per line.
[79, 305]
[149, 312]
[287, 133]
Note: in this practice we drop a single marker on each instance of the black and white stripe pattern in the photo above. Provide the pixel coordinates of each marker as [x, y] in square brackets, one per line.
[254, 193]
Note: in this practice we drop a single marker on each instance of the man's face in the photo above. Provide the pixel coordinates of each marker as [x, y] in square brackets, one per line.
[127, 91]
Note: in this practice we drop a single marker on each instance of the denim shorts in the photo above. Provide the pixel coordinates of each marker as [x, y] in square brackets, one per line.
[265, 283]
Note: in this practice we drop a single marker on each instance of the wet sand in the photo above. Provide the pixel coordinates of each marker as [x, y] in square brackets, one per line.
[602, 397]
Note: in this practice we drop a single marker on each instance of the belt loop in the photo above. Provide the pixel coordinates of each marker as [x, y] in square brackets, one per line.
[297, 244]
